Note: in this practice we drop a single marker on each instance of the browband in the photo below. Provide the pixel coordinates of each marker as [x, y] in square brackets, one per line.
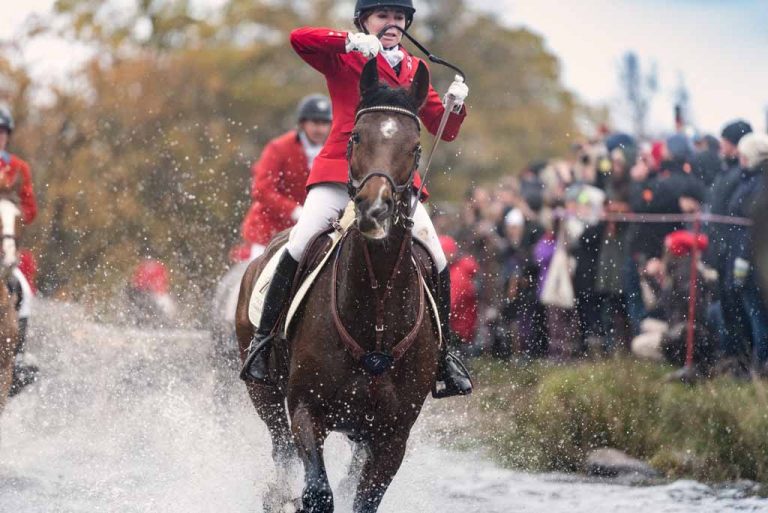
[384, 108]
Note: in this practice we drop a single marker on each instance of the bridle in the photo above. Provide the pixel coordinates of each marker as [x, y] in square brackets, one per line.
[402, 192]
[380, 360]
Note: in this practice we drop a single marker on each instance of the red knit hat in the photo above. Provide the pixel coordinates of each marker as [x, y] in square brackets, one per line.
[657, 154]
[680, 243]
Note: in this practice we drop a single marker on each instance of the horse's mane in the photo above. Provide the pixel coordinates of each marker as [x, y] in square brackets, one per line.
[389, 97]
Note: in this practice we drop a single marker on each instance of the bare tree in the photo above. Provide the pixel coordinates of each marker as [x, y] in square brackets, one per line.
[682, 97]
[639, 89]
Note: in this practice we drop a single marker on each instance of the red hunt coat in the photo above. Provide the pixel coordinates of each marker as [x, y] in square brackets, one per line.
[15, 175]
[325, 50]
[277, 188]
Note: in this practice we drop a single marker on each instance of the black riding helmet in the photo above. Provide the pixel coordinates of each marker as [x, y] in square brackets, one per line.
[366, 5]
[6, 119]
[315, 107]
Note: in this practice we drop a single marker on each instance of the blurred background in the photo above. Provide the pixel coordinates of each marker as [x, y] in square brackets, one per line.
[141, 118]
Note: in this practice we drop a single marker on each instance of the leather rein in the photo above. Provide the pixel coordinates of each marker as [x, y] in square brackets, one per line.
[380, 360]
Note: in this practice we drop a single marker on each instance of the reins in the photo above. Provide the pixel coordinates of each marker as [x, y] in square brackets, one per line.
[380, 360]
[432, 57]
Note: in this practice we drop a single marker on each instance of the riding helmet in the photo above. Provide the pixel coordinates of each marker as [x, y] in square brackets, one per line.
[6, 119]
[315, 107]
[364, 5]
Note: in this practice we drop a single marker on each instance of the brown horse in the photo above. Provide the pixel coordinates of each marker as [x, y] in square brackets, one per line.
[10, 226]
[362, 354]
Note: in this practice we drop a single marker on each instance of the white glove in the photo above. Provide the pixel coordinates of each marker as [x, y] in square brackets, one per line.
[367, 44]
[741, 270]
[459, 91]
[296, 214]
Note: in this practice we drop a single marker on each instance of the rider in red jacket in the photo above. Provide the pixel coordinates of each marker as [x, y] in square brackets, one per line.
[340, 56]
[278, 188]
[16, 178]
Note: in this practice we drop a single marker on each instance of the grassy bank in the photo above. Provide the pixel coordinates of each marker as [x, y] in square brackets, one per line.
[546, 417]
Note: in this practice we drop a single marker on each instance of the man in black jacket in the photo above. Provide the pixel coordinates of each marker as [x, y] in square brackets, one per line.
[753, 152]
[734, 333]
[706, 163]
[673, 190]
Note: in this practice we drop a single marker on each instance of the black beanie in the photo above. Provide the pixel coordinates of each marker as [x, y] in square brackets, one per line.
[733, 132]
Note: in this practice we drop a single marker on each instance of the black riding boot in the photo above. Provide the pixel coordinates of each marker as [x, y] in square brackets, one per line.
[23, 375]
[452, 376]
[256, 367]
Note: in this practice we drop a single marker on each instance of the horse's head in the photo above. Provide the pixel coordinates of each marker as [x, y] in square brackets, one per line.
[10, 223]
[384, 150]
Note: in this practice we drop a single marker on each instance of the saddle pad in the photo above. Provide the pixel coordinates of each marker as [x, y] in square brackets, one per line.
[343, 225]
[256, 304]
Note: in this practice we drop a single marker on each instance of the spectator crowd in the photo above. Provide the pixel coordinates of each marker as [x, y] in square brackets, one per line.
[579, 256]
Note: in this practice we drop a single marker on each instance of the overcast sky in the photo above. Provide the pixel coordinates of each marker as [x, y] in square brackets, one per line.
[719, 47]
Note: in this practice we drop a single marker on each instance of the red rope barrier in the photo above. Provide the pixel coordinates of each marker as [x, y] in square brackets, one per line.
[660, 218]
[692, 293]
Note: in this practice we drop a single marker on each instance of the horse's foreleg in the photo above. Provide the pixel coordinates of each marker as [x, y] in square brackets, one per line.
[360, 454]
[309, 435]
[380, 468]
[270, 405]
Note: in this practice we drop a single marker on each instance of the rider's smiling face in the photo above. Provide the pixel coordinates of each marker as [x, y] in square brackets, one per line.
[380, 18]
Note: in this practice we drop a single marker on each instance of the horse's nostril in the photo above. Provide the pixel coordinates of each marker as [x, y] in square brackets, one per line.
[380, 213]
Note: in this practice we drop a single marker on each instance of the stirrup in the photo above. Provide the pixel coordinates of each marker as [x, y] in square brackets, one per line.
[453, 378]
[260, 351]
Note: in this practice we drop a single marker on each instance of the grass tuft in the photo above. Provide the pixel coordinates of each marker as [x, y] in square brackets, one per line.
[543, 416]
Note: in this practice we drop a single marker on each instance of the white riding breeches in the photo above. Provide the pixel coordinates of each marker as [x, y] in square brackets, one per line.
[25, 309]
[326, 201]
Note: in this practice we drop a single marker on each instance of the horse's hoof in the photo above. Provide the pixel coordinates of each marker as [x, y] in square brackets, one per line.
[293, 507]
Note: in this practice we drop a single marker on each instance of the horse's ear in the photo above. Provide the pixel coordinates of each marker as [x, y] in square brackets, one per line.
[369, 80]
[420, 85]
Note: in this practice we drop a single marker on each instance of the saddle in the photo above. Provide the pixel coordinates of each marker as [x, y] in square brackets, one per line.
[316, 257]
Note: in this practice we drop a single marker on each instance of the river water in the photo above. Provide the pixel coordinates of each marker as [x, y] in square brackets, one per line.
[129, 420]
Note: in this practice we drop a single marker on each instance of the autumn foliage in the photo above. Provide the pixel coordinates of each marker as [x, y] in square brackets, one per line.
[146, 151]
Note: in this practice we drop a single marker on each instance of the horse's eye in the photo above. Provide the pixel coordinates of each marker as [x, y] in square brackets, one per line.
[355, 137]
